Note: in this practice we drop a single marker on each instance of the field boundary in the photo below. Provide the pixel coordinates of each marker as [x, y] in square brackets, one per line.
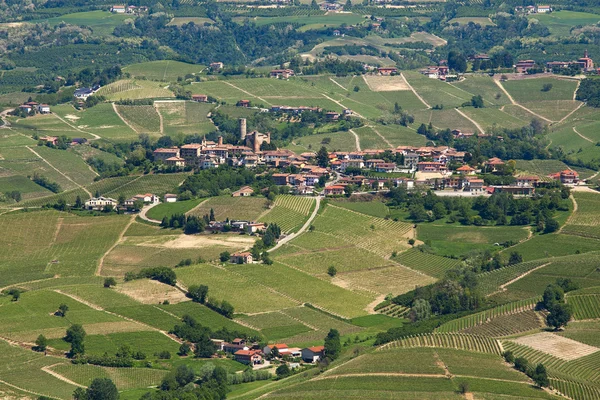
[119, 239]
[414, 91]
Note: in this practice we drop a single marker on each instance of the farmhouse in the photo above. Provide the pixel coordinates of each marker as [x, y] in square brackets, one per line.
[435, 72]
[243, 192]
[248, 357]
[334, 190]
[53, 140]
[524, 65]
[26, 107]
[118, 9]
[200, 98]
[170, 198]
[243, 103]
[43, 109]
[493, 163]
[527, 181]
[99, 203]
[241, 258]
[255, 227]
[282, 73]
[281, 347]
[566, 177]
[148, 198]
[216, 66]
[387, 71]
[175, 162]
[543, 9]
[163, 154]
[313, 354]
[83, 93]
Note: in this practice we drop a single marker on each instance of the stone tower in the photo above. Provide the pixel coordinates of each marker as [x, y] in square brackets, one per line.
[243, 129]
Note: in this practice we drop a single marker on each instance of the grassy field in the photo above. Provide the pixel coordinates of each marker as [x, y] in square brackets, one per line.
[244, 208]
[476, 20]
[530, 90]
[102, 22]
[27, 187]
[100, 120]
[168, 209]
[560, 22]
[163, 70]
[185, 117]
[340, 141]
[374, 208]
[143, 119]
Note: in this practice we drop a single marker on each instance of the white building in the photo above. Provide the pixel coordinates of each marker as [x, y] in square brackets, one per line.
[99, 203]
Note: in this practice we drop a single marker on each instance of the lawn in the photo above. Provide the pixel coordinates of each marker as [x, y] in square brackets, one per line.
[167, 209]
[448, 240]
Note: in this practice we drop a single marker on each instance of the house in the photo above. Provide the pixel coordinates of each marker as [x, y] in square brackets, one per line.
[118, 9]
[200, 98]
[241, 258]
[43, 109]
[332, 116]
[255, 227]
[243, 103]
[280, 179]
[190, 152]
[474, 185]
[313, 354]
[175, 162]
[524, 65]
[334, 190]
[170, 198]
[387, 71]
[26, 107]
[243, 192]
[233, 347]
[53, 140]
[282, 73]
[76, 141]
[293, 352]
[435, 72]
[281, 347]
[99, 203]
[493, 163]
[543, 9]
[336, 33]
[162, 154]
[386, 167]
[146, 198]
[466, 170]
[527, 180]
[83, 93]
[566, 177]
[431, 166]
[216, 66]
[512, 189]
[248, 357]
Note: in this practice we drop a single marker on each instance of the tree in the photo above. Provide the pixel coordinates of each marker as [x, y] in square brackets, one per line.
[212, 215]
[333, 345]
[41, 343]
[547, 87]
[421, 309]
[457, 61]
[78, 202]
[75, 335]
[322, 157]
[331, 271]
[540, 376]
[62, 310]
[553, 294]
[15, 293]
[551, 225]
[282, 371]
[184, 375]
[463, 387]
[184, 349]
[79, 394]
[509, 357]
[224, 256]
[205, 347]
[521, 364]
[102, 389]
[198, 293]
[110, 281]
[560, 315]
[515, 258]
[477, 101]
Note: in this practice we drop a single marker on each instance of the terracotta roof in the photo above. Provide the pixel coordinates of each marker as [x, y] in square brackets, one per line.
[317, 349]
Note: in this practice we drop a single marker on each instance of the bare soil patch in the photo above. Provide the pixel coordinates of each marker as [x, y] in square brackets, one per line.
[151, 292]
[557, 346]
[379, 83]
[71, 117]
[200, 241]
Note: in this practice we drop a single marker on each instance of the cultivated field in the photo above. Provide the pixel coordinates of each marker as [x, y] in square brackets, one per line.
[243, 208]
[135, 89]
[163, 70]
[557, 346]
[289, 212]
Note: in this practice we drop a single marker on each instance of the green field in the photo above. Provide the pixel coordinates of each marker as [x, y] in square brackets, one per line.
[102, 22]
[164, 70]
[168, 209]
[560, 22]
[585, 221]
[135, 89]
[289, 212]
[530, 90]
[185, 117]
[244, 208]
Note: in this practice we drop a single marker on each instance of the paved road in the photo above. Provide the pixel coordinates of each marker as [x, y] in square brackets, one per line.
[302, 230]
[145, 209]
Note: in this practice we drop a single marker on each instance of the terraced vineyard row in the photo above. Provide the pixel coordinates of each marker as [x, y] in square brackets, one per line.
[142, 118]
[428, 263]
[576, 390]
[458, 341]
[485, 316]
[290, 212]
[509, 324]
[118, 87]
[490, 282]
[394, 310]
[585, 306]
[124, 378]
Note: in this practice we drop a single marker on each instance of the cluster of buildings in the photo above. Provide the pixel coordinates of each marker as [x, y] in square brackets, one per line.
[436, 72]
[101, 203]
[585, 64]
[34, 107]
[123, 9]
[533, 9]
[253, 354]
[85, 92]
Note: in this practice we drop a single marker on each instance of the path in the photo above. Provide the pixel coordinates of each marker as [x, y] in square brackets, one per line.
[513, 102]
[576, 89]
[472, 120]
[301, 230]
[572, 214]
[356, 139]
[414, 91]
[57, 170]
[370, 308]
[341, 105]
[245, 91]
[523, 275]
[198, 206]
[101, 261]
[583, 137]
[382, 137]
[145, 209]
[160, 118]
[96, 137]
[123, 119]
[59, 376]
[334, 81]
[571, 113]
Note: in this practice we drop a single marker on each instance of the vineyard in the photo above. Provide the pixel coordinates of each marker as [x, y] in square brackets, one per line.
[430, 264]
[488, 316]
[459, 341]
[158, 184]
[586, 220]
[394, 310]
[490, 282]
[289, 212]
[135, 89]
[510, 324]
[124, 378]
[585, 306]
[144, 119]
[576, 390]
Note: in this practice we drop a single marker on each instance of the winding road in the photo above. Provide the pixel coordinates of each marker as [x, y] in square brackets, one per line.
[301, 230]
